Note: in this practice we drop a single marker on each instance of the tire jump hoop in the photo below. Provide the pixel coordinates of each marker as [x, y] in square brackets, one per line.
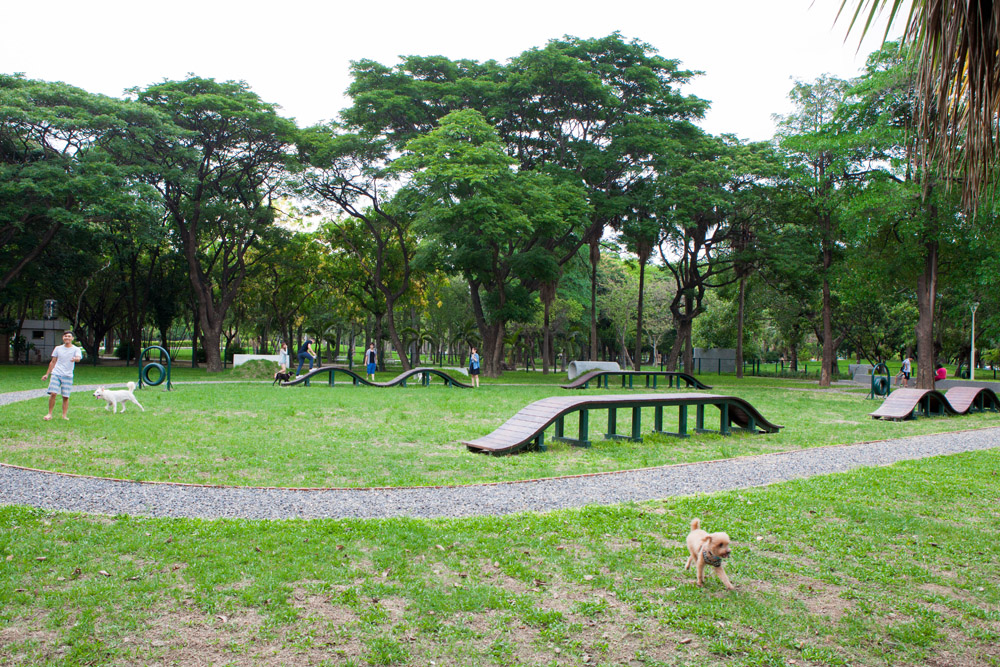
[881, 381]
[146, 366]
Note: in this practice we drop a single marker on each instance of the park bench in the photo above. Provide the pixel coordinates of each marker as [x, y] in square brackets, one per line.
[909, 403]
[526, 429]
[600, 377]
[401, 379]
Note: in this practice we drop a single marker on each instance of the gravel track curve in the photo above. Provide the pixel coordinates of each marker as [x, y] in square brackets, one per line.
[54, 491]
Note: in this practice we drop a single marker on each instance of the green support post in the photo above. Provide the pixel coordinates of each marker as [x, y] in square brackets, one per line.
[636, 424]
[658, 419]
[612, 422]
[332, 373]
[699, 423]
[584, 433]
[682, 421]
[540, 442]
[560, 426]
[724, 419]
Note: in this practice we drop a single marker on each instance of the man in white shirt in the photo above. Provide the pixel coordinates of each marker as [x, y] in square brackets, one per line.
[64, 357]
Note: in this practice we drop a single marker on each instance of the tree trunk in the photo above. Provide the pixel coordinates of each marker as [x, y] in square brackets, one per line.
[548, 295]
[926, 295]
[740, 311]
[397, 344]
[829, 351]
[637, 357]
[595, 257]
[194, 338]
[377, 337]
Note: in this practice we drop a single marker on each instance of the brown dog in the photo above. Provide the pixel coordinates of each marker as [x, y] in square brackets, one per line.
[708, 549]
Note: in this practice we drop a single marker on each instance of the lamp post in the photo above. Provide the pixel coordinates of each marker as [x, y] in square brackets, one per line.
[972, 354]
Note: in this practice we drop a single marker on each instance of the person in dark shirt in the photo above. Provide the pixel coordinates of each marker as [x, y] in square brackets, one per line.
[305, 352]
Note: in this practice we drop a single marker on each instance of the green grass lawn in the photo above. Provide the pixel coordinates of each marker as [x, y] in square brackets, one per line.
[256, 434]
[893, 565]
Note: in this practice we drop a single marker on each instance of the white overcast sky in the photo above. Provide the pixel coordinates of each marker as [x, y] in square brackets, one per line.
[297, 53]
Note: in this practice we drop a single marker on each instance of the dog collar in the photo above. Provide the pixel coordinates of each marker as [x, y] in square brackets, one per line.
[710, 558]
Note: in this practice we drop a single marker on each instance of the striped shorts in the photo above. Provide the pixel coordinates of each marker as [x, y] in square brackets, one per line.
[60, 384]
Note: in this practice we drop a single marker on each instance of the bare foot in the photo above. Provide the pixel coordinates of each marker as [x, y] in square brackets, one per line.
[47, 417]
[65, 417]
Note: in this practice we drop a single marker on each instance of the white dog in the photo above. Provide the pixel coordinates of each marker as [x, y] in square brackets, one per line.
[116, 396]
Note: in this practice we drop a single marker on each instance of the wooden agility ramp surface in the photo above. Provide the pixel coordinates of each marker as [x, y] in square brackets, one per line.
[910, 403]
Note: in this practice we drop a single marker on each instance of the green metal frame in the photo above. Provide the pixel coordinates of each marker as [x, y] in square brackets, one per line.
[144, 368]
[876, 391]
[635, 430]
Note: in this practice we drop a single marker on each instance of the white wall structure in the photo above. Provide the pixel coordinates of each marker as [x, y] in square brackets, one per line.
[45, 335]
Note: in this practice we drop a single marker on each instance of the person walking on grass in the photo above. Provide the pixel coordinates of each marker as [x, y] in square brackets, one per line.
[282, 359]
[60, 369]
[305, 352]
[370, 360]
[906, 370]
[474, 367]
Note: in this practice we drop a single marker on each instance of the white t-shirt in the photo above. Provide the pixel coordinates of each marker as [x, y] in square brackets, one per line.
[64, 359]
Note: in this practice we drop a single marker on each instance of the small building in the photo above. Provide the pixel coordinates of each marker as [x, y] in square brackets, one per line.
[44, 336]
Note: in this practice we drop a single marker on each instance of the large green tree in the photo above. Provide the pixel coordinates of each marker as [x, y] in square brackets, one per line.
[575, 105]
[492, 224]
[217, 171]
[54, 173]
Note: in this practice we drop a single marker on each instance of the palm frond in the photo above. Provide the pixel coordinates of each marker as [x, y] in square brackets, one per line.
[957, 46]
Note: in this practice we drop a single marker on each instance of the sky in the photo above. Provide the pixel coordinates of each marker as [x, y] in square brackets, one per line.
[297, 53]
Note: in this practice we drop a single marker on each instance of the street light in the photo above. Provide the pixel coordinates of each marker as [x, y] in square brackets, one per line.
[972, 355]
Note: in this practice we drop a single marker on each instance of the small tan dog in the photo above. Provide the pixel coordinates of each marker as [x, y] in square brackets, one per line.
[708, 549]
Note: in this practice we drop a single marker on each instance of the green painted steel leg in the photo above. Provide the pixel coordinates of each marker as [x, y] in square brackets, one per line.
[636, 424]
[658, 419]
[630, 381]
[331, 377]
[540, 442]
[559, 427]
[724, 419]
[612, 422]
[682, 421]
[699, 422]
[654, 381]
[584, 432]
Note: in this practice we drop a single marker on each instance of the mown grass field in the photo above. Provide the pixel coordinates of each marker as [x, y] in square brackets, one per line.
[883, 566]
[254, 434]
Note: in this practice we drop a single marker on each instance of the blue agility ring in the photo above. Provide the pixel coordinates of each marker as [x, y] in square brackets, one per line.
[163, 374]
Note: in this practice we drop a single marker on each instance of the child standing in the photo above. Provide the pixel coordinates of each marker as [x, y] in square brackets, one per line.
[474, 367]
[370, 360]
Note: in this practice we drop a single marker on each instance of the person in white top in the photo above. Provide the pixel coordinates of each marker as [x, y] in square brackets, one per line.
[61, 367]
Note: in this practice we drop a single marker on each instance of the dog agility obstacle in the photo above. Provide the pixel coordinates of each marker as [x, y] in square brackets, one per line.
[399, 380]
[526, 429]
[601, 376]
[911, 403]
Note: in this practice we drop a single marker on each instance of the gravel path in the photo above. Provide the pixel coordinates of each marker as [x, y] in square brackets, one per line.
[103, 496]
